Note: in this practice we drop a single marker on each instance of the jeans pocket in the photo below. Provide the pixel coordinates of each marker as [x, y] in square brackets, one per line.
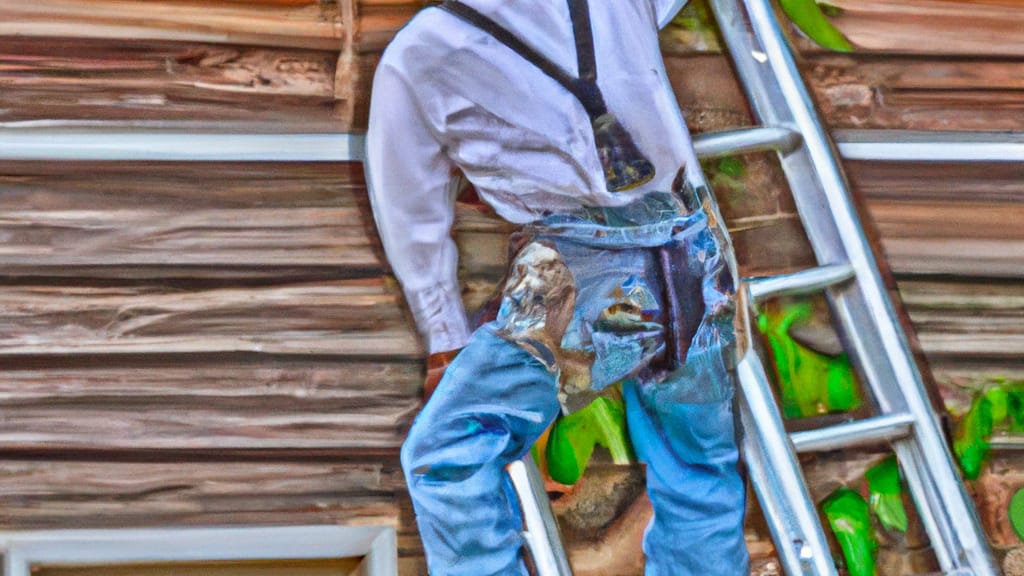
[619, 355]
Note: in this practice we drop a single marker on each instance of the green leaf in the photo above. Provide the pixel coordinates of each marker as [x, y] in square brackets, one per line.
[847, 514]
[1017, 513]
[573, 438]
[971, 440]
[810, 383]
[809, 18]
[1015, 407]
[998, 398]
[732, 166]
[886, 494]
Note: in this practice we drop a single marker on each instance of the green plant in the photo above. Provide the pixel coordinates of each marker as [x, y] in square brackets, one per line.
[573, 438]
[809, 16]
[810, 382]
[1000, 405]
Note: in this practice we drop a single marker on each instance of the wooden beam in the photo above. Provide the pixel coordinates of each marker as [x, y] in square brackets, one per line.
[44, 79]
[958, 27]
[920, 92]
[215, 218]
[185, 403]
[343, 318]
[284, 23]
[49, 494]
[968, 321]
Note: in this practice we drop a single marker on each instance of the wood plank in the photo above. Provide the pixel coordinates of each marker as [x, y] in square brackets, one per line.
[863, 90]
[51, 494]
[999, 183]
[968, 322]
[342, 318]
[98, 79]
[181, 403]
[288, 23]
[952, 219]
[933, 26]
[215, 218]
[952, 238]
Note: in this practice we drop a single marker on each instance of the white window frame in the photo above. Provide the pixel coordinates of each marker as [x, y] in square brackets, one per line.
[377, 545]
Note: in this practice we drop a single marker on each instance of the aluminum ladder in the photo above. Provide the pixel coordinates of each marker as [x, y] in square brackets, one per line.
[867, 322]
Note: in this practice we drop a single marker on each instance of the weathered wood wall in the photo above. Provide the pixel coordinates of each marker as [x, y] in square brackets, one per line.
[213, 343]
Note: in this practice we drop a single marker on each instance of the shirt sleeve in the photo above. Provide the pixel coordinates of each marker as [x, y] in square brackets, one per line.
[413, 198]
[666, 10]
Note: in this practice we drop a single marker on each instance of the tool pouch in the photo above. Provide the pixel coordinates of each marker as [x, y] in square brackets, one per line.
[625, 167]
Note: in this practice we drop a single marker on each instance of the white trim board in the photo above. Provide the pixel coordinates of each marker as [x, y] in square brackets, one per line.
[134, 145]
[376, 544]
[129, 144]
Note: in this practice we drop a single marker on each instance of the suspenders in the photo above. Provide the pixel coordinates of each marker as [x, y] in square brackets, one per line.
[624, 165]
[583, 88]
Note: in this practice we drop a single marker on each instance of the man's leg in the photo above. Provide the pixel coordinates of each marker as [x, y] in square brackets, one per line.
[494, 401]
[689, 446]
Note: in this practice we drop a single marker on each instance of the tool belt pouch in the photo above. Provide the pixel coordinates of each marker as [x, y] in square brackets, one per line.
[625, 167]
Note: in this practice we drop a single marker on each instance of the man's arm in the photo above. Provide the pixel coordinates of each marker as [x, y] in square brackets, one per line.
[413, 199]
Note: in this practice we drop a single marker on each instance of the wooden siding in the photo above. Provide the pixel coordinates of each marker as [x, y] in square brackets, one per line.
[219, 343]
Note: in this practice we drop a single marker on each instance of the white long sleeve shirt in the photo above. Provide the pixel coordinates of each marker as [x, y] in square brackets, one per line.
[448, 96]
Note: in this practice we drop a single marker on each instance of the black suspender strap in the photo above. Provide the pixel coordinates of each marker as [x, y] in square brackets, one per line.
[625, 166]
[586, 61]
[585, 87]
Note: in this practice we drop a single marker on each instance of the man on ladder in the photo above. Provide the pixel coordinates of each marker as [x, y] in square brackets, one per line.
[619, 276]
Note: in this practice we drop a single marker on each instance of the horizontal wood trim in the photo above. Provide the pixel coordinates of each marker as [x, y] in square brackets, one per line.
[327, 567]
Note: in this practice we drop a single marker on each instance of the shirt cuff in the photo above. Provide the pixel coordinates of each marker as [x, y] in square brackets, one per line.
[440, 317]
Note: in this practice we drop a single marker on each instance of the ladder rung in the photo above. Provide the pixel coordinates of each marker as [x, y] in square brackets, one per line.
[1006, 442]
[745, 141]
[804, 282]
[867, 431]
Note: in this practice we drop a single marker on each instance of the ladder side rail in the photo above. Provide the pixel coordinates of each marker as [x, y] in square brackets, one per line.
[834, 231]
[965, 543]
[777, 478]
[927, 498]
[540, 533]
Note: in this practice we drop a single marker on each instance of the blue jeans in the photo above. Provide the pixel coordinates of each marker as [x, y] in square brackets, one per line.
[493, 403]
[501, 393]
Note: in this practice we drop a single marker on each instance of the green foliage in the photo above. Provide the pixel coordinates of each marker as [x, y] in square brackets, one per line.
[847, 514]
[573, 438]
[732, 166]
[810, 383]
[886, 494]
[1001, 405]
[810, 18]
[1017, 513]
[970, 442]
[726, 177]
